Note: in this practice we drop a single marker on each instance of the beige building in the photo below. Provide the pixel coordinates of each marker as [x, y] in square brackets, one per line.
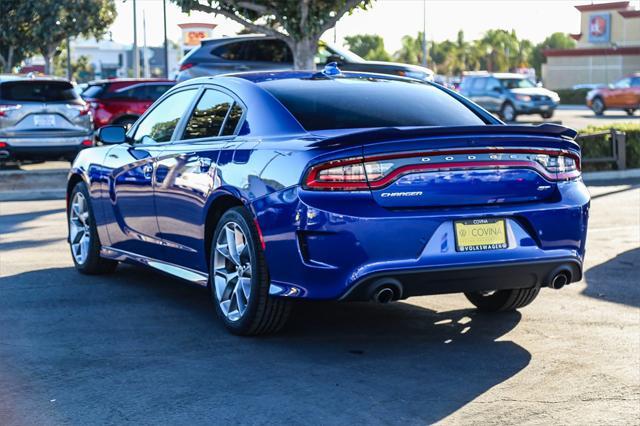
[608, 47]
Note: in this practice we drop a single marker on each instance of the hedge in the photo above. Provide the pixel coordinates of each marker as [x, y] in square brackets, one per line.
[601, 147]
[572, 97]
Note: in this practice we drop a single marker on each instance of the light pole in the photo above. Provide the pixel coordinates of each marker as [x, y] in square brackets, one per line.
[69, 74]
[424, 33]
[166, 43]
[136, 53]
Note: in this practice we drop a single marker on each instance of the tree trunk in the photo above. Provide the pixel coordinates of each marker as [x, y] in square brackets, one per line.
[47, 54]
[304, 52]
[9, 65]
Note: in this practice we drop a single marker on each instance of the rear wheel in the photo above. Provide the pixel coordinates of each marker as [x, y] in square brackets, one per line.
[597, 105]
[239, 282]
[503, 300]
[508, 112]
[630, 111]
[83, 234]
[547, 115]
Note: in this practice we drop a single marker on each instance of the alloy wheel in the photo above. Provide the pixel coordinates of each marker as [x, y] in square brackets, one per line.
[232, 269]
[79, 228]
[508, 112]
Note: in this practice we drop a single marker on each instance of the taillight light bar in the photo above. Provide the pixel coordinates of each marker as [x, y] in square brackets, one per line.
[6, 108]
[375, 172]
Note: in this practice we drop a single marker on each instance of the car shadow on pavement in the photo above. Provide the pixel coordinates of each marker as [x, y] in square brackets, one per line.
[15, 222]
[613, 280]
[138, 346]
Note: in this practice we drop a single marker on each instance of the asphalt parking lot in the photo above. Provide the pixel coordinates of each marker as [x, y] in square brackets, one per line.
[139, 347]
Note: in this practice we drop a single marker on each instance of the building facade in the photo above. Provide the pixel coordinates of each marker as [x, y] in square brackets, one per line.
[608, 47]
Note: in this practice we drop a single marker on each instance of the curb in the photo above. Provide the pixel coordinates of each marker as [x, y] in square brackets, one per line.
[31, 195]
[611, 175]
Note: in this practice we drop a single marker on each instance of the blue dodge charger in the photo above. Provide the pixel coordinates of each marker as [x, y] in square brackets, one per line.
[276, 186]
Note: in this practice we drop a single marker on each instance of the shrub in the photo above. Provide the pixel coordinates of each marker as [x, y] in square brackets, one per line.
[601, 147]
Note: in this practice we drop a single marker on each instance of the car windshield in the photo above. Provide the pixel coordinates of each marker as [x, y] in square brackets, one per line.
[516, 83]
[38, 91]
[349, 103]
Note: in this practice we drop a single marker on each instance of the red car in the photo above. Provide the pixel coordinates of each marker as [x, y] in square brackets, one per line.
[122, 101]
[623, 94]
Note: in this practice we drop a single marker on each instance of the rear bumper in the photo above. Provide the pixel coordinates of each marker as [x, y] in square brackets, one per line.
[468, 278]
[337, 245]
[43, 148]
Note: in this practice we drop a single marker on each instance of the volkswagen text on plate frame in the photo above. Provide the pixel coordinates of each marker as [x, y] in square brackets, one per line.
[272, 187]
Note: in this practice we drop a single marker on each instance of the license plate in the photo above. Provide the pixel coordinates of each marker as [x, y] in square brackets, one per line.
[480, 234]
[544, 107]
[44, 120]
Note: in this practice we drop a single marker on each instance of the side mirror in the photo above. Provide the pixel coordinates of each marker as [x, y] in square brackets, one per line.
[111, 135]
[339, 59]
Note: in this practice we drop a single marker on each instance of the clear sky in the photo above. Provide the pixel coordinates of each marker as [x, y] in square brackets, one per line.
[390, 18]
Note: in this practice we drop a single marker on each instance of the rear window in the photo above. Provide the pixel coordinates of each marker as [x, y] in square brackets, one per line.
[346, 103]
[38, 91]
[94, 91]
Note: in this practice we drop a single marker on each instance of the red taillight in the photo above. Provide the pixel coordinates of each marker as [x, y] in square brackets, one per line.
[3, 145]
[82, 109]
[87, 142]
[6, 108]
[186, 65]
[376, 172]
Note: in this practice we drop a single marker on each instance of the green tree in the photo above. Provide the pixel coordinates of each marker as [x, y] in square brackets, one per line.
[299, 23]
[554, 41]
[500, 47]
[411, 50]
[369, 46]
[81, 69]
[15, 37]
[55, 20]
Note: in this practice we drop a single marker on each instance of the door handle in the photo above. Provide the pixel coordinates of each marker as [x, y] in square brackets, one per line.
[147, 170]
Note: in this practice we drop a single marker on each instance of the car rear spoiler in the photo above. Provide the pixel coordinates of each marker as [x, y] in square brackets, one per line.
[386, 133]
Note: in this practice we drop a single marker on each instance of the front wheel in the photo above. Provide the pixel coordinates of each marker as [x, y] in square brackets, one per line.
[508, 112]
[598, 106]
[83, 234]
[239, 282]
[547, 115]
[503, 300]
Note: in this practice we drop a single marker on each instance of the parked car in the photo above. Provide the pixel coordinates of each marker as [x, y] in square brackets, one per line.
[41, 118]
[258, 52]
[123, 100]
[623, 94]
[272, 187]
[509, 95]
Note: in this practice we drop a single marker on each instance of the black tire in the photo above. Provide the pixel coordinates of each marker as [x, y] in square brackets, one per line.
[547, 115]
[630, 111]
[597, 106]
[264, 314]
[503, 300]
[508, 112]
[92, 264]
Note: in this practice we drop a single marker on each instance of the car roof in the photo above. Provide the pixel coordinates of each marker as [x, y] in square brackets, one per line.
[235, 37]
[508, 75]
[130, 80]
[30, 77]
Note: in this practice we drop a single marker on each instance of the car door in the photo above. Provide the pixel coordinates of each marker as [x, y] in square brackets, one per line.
[478, 94]
[635, 92]
[494, 93]
[187, 174]
[618, 96]
[133, 226]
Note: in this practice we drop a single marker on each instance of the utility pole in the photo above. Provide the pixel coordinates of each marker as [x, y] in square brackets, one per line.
[69, 73]
[424, 33]
[166, 42]
[136, 53]
[145, 51]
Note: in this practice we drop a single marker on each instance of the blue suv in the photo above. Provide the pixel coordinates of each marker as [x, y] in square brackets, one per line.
[509, 95]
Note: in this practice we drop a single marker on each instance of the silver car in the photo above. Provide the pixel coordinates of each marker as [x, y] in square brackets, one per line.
[42, 118]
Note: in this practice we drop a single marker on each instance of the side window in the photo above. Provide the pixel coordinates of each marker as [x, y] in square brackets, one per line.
[232, 120]
[492, 85]
[208, 116]
[479, 84]
[154, 91]
[159, 124]
[268, 51]
[623, 84]
[230, 52]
